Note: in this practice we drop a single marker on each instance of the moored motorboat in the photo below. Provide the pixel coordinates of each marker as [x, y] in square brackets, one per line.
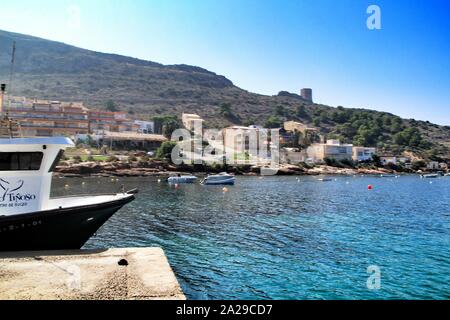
[430, 176]
[182, 179]
[219, 179]
[29, 218]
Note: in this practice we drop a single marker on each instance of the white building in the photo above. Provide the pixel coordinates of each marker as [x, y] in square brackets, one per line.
[145, 126]
[386, 160]
[190, 120]
[433, 165]
[237, 139]
[363, 153]
[333, 149]
[292, 155]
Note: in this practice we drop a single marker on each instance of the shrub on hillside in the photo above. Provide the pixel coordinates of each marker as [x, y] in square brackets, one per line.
[112, 159]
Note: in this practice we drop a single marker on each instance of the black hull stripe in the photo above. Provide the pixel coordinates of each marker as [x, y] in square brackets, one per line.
[59, 229]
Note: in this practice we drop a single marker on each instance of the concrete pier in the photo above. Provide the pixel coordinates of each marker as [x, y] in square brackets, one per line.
[112, 274]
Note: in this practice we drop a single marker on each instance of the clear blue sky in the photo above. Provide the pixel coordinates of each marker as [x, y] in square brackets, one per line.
[272, 45]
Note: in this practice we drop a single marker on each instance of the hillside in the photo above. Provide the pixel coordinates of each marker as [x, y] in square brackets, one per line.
[51, 70]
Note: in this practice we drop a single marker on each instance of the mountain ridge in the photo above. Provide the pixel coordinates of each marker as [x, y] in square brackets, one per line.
[57, 71]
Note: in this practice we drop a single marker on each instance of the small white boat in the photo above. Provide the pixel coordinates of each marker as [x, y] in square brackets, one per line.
[388, 176]
[430, 176]
[182, 179]
[219, 179]
[325, 179]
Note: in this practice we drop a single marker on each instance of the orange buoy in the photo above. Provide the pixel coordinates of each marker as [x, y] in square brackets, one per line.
[369, 187]
[225, 189]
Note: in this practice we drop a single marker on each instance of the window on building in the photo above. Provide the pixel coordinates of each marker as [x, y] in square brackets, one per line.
[20, 161]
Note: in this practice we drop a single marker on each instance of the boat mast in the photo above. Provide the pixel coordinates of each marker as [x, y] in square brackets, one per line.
[7, 126]
[11, 73]
[2, 95]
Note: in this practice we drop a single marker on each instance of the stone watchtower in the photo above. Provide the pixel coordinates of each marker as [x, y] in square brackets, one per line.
[306, 94]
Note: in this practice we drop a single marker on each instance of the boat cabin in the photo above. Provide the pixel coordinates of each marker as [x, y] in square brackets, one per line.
[26, 166]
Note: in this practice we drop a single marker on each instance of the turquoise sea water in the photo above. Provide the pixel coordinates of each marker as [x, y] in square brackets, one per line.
[288, 237]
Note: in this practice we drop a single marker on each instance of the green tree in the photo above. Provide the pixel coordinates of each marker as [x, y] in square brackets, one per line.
[166, 124]
[324, 117]
[111, 106]
[410, 137]
[169, 127]
[248, 122]
[226, 110]
[273, 122]
[308, 138]
[301, 112]
[280, 111]
[376, 160]
[165, 150]
[316, 121]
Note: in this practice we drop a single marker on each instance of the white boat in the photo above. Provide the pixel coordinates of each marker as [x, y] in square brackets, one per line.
[430, 175]
[325, 179]
[182, 179]
[219, 179]
[29, 218]
[387, 175]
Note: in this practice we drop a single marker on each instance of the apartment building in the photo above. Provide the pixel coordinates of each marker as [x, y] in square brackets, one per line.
[332, 149]
[100, 120]
[56, 118]
[48, 118]
[363, 153]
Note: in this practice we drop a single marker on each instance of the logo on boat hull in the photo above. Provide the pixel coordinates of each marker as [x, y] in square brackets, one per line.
[10, 192]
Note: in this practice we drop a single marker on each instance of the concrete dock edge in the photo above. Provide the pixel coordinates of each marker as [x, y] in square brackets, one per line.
[110, 274]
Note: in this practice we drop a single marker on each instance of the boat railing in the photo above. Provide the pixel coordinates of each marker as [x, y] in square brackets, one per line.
[122, 191]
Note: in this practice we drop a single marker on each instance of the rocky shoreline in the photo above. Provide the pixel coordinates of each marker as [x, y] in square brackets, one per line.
[158, 168]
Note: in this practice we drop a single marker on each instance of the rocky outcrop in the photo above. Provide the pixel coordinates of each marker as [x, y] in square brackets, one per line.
[161, 168]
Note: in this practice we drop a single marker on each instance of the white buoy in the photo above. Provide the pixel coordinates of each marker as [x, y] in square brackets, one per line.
[159, 180]
[225, 189]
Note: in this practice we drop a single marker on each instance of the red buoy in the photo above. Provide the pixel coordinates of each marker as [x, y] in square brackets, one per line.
[369, 187]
